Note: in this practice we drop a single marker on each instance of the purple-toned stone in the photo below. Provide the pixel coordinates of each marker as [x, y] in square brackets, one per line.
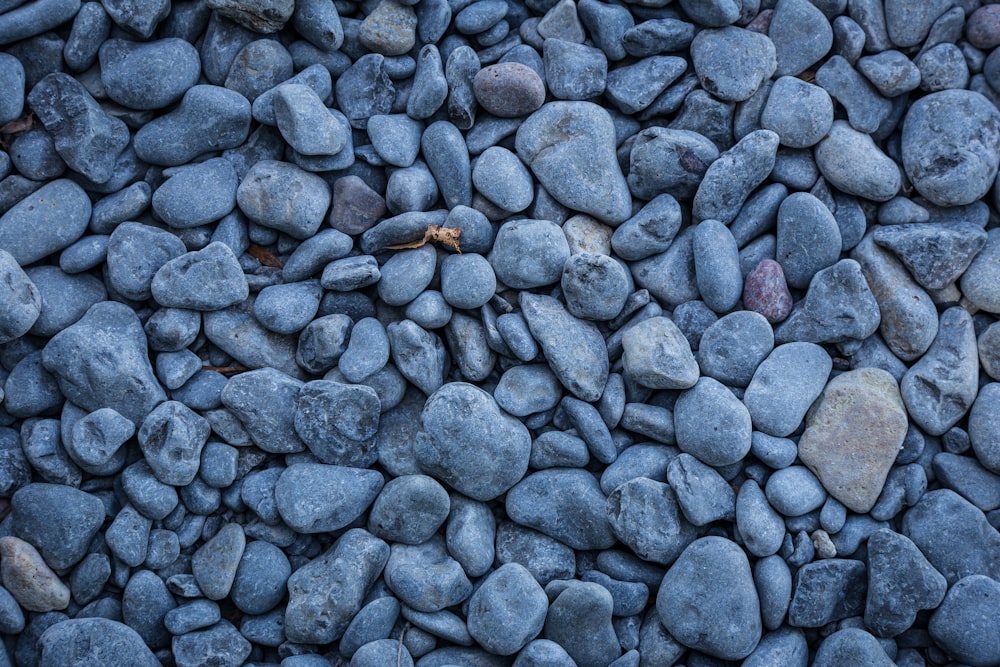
[766, 292]
[983, 27]
[356, 207]
[509, 90]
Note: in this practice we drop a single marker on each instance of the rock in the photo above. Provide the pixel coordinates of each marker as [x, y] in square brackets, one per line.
[964, 626]
[729, 180]
[221, 644]
[935, 254]
[319, 498]
[181, 282]
[579, 170]
[801, 34]
[351, 566]
[851, 646]
[44, 222]
[707, 600]
[262, 16]
[581, 366]
[785, 385]
[425, 577]
[800, 113]
[766, 291]
[826, 591]
[853, 435]
[975, 282]
[646, 516]
[908, 316]
[264, 402]
[20, 300]
[29, 579]
[92, 641]
[838, 306]
[529, 253]
[940, 388]
[901, 582]
[727, 78]
[656, 355]
[950, 147]
[390, 29]
[579, 620]
[732, 348]
[852, 163]
[148, 75]
[509, 90]
[954, 535]
[465, 428]
[711, 424]
[566, 504]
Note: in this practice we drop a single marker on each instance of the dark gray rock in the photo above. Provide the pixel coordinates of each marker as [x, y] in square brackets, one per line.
[565, 504]
[264, 402]
[731, 349]
[727, 78]
[784, 386]
[976, 283]
[91, 641]
[801, 34]
[45, 221]
[148, 75]
[631, 509]
[800, 113]
[711, 424]
[221, 644]
[729, 180]
[425, 577]
[338, 422]
[964, 626]
[851, 646]
[901, 582]
[827, 591]
[656, 355]
[704, 496]
[206, 279]
[838, 306]
[58, 520]
[20, 300]
[671, 161]
[851, 162]
[579, 620]
[866, 109]
[215, 562]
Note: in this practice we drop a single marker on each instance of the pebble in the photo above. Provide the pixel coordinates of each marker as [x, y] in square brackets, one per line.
[801, 35]
[901, 582]
[539, 501]
[941, 173]
[259, 196]
[703, 495]
[963, 626]
[891, 72]
[766, 291]
[79, 640]
[508, 89]
[935, 254]
[29, 579]
[839, 155]
[424, 577]
[983, 426]
[629, 508]
[851, 644]
[508, 611]
[725, 620]
[866, 109]
[317, 498]
[941, 387]
[181, 281]
[44, 222]
[579, 620]
[150, 75]
[982, 28]
[727, 78]
[826, 591]
[656, 355]
[982, 295]
[711, 424]
[785, 385]
[729, 180]
[580, 170]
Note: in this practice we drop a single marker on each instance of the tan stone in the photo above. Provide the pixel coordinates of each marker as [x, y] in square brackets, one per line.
[25, 574]
[853, 434]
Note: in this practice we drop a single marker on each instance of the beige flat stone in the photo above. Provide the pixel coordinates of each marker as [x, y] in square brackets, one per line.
[25, 574]
[853, 433]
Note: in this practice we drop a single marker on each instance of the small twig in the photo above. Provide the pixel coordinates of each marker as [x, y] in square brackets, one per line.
[399, 647]
[225, 369]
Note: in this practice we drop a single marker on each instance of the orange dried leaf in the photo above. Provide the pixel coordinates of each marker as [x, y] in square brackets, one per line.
[225, 369]
[264, 256]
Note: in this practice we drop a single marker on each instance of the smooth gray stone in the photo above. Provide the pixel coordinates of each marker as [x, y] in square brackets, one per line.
[215, 562]
[826, 591]
[984, 426]
[262, 197]
[901, 582]
[425, 577]
[264, 402]
[704, 496]
[20, 300]
[465, 428]
[39, 516]
[891, 72]
[708, 602]
[316, 77]
[936, 254]
[956, 161]
[577, 518]
[648, 232]
[18, 23]
[908, 23]
[977, 283]
[338, 422]
[785, 385]
[851, 162]
[731, 348]
[783, 646]
[656, 355]
[866, 109]
[419, 355]
[838, 306]
[711, 424]
[78, 357]
[646, 516]
[581, 366]
[940, 388]
[632, 88]
[206, 279]
[671, 161]
[801, 35]
[319, 498]
[909, 319]
[207, 118]
[148, 75]
[729, 79]
[305, 122]
[799, 112]
[730, 179]
[447, 157]
[851, 646]
[171, 438]
[238, 333]
[396, 138]
[579, 620]
[964, 626]
[45, 221]
[196, 194]
[80, 640]
[717, 265]
[580, 169]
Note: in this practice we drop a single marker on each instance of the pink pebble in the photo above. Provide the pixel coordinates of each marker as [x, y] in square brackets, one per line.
[766, 292]
[762, 22]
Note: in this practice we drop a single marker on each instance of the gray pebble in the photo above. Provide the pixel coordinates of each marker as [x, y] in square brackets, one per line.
[826, 591]
[800, 113]
[470, 535]
[424, 577]
[657, 355]
[730, 179]
[40, 517]
[670, 161]
[704, 496]
[731, 349]
[128, 536]
[261, 197]
[206, 279]
[630, 508]
[839, 155]
[580, 171]
[305, 122]
[801, 35]
[784, 386]
[579, 620]
[712, 424]
[508, 610]
[729, 79]
[288, 308]
[19, 297]
[177, 137]
[503, 179]
[418, 354]
[891, 72]
[388, 518]
[900, 583]
[44, 222]
[318, 498]
[260, 579]
[516, 258]
[714, 572]
[468, 280]
[717, 265]
[965, 610]
[540, 501]
[338, 422]
[81, 639]
[148, 75]
[976, 282]
[851, 644]
[192, 616]
[866, 109]
[942, 67]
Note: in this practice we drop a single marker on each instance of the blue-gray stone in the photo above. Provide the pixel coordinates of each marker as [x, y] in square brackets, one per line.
[221, 644]
[761, 527]
[729, 180]
[901, 582]
[418, 354]
[579, 169]
[208, 118]
[657, 355]
[866, 109]
[727, 78]
[148, 75]
[196, 194]
[630, 509]
[785, 385]
[579, 620]
[42, 516]
[851, 646]
[128, 536]
[957, 161]
[703, 495]
[660, 35]
[801, 35]
[711, 424]
[717, 265]
[582, 366]
[351, 565]
[827, 591]
[192, 616]
[543, 501]
[262, 197]
[171, 437]
[288, 308]
[83, 641]
[707, 600]
[651, 230]
[546, 558]
[425, 577]
[44, 222]
[891, 72]
[964, 626]
[259, 582]
[409, 510]
[731, 348]
[20, 300]
[319, 498]
[206, 279]
[338, 422]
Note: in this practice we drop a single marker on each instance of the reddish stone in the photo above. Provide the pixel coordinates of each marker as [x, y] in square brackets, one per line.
[508, 90]
[356, 207]
[983, 27]
[766, 292]
[762, 22]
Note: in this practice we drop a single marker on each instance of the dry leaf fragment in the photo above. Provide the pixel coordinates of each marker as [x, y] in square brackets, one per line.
[264, 256]
[445, 235]
[225, 369]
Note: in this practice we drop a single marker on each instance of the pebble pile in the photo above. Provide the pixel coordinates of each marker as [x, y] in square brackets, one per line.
[482, 333]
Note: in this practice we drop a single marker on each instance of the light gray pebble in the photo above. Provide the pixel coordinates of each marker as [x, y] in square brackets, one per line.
[717, 265]
[785, 385]
[730, 179]
[800, 113]
[733, 347]
[712, 424]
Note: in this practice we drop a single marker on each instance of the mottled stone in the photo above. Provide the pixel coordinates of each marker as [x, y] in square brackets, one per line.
[29, 579]
[853, 435]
